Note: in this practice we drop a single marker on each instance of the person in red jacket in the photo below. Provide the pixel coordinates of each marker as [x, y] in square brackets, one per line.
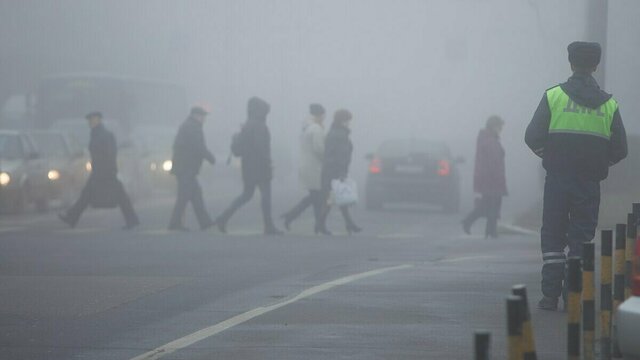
[489, 178]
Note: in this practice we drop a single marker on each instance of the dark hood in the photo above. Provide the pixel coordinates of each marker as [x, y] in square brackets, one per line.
[257, 109]
[585, 91]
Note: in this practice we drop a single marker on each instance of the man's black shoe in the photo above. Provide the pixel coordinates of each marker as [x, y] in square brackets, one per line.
[205, 227]
[65, 219]
[131, 226]
[466, 227]
[549, 304]
[273, 232]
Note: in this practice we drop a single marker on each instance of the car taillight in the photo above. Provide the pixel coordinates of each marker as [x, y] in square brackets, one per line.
[635, 280]
[444, 168]
[375, 167]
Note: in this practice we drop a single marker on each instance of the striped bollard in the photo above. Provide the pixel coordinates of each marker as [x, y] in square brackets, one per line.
[606, 300]
[482, 345]
[618, 279]
[574, 287]
[588, 301]
[514, 328]
[632, 233]
[528, 343]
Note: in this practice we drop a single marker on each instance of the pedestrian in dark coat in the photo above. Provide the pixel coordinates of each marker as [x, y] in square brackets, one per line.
[338, 150]
[189, 151]
[103, 187]
[254, 145]
[489, 178]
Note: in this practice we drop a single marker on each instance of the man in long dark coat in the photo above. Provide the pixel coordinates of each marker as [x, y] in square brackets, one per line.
[103, 189]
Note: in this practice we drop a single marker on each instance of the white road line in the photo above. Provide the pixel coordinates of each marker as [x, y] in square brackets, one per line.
[239, 319]
[466, 258]
[11, 229]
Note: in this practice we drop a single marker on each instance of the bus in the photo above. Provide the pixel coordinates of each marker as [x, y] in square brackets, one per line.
[130, 101]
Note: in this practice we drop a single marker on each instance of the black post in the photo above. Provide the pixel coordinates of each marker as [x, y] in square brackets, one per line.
[482, 345]
[606, 300]
[574, 286]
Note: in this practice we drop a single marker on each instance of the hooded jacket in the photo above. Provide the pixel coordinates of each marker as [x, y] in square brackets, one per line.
[582, 155]
[256, 140]
[489, 174]
[337, 154]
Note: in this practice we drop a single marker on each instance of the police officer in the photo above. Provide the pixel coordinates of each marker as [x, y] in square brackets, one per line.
[189, 150]
[578, 132]
[103, 187]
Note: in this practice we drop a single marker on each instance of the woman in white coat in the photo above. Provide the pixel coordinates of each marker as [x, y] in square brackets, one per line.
[311, 158]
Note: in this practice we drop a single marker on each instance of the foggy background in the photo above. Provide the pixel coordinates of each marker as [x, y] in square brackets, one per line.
[422, 68]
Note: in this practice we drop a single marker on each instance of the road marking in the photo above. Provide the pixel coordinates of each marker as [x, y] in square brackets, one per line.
[244, 317]
[80, 231]
[466, 258]
[11, 229]
[400, 236]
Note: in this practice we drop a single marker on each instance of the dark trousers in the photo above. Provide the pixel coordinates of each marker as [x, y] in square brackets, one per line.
[344, 210]
[120, 195]
[247, 194]
[487, 206]
[189, 190]
[569, 218]
[313, 198]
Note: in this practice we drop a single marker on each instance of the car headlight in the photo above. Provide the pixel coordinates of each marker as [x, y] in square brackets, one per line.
[87, 166]
[153, 166]
[5, 179]
[167, 165]
[53, 175]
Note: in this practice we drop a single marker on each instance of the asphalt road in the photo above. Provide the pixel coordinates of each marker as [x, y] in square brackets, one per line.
[411, 286]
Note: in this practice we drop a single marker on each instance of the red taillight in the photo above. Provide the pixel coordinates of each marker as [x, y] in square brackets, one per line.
[635, 280]
[444, 168]
[375, 167]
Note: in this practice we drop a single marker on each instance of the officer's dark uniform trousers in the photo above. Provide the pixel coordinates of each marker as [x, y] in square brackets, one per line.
[570, 217]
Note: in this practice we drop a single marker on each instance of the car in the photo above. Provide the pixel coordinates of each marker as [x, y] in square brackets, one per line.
[628, 316]
[155, 144]
[23, 173]
[66, 164]
[413, 170]
[129, 160]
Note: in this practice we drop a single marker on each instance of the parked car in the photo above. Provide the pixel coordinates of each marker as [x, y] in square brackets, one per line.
[67, 164]
[413, 170]
[628, 316]
[23, 173]
[130, 168]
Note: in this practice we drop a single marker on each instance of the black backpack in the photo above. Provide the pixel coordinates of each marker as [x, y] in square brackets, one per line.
[238, 144]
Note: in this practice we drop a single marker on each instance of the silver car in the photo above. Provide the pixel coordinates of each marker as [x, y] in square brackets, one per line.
[23, 173]
[628, 317]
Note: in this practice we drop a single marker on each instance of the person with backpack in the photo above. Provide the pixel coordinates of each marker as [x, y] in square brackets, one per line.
[311, 157]
[189, 151]
[253, 146]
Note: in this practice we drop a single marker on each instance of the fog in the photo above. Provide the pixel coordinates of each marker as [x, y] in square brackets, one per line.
[424, 68]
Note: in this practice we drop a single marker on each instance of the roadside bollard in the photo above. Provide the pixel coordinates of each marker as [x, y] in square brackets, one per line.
[528, 343]
[588, 301]
[514, 328]
[606, 301]
[618, 280]
[482, 345]
[632, 233]
[574, 287]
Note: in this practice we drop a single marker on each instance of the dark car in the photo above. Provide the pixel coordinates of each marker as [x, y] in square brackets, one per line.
[413, 170]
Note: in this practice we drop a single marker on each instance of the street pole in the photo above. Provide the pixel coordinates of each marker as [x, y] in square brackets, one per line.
[596, 30]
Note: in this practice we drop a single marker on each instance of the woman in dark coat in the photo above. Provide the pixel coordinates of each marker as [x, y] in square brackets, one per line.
[489, 178]
[337, 158]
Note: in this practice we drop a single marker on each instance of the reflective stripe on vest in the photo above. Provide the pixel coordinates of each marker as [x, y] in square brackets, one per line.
[570, 118]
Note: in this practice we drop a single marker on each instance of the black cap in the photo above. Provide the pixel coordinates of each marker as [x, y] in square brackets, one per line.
[199, 110]
[316, 109]
[584, 54]
[93, 114]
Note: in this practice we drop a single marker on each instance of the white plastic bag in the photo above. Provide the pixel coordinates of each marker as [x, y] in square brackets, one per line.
[345, 192]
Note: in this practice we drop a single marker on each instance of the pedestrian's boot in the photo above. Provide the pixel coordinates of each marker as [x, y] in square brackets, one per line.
[466, 226]
[287, 221]
[548, 304]
[67, 220]
[273, 231]
[131, 225]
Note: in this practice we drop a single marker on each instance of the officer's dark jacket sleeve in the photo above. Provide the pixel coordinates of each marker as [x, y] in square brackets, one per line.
[538, 130]
[618, 143]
